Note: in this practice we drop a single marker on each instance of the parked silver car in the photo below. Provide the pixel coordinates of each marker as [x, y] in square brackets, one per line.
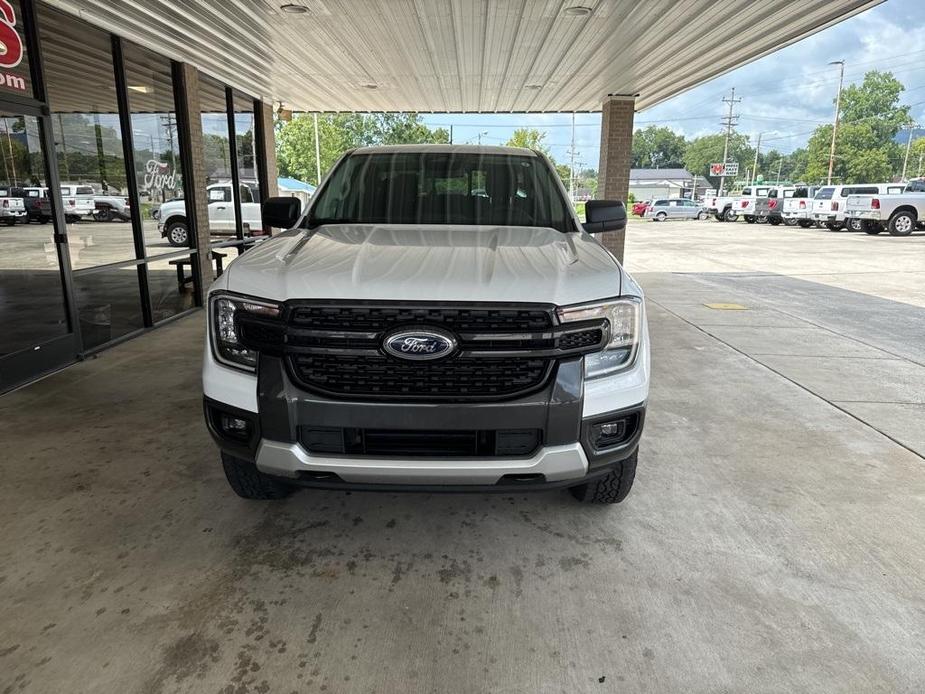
[675, 208]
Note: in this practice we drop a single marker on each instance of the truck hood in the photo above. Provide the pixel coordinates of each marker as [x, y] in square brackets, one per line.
[428, 263]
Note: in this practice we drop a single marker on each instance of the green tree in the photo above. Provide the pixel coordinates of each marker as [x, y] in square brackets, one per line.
[658, 148]
[916, 159]
[529, 138]
[338, 132]
[861, 157]
[876, 100]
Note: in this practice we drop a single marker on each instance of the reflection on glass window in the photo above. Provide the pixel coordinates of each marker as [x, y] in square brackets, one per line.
[31, 295]
[156, 142]
[246, 145]
[217, 156]
[88, 140]
[170, 286]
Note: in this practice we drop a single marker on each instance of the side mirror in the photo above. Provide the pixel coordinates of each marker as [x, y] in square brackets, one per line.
[604, 215]
[281, 212]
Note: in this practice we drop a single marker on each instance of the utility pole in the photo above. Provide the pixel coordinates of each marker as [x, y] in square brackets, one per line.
[694, 188]
[780, 166]
[317, 152]
[729, 121]
[921, 161]
[908, 148]
[841, 81]
[755, 168]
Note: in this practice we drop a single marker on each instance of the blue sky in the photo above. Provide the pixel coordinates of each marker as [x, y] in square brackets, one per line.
[883, 38]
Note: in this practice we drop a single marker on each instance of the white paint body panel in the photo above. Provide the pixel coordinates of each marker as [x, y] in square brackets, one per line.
[429, 263]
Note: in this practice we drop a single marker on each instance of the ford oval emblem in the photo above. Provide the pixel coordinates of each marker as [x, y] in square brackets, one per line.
[419, 345]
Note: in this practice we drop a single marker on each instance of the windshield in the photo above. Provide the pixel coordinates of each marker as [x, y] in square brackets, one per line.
[443, 188]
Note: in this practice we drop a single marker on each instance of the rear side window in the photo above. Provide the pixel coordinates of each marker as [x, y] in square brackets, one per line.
[825, 194]
[894, 190]
[789, 193]
[746, 191]
[916, 187]
[84, 190]
[859, 190]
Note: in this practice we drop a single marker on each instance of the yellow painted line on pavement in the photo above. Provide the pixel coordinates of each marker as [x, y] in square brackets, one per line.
[727, 307]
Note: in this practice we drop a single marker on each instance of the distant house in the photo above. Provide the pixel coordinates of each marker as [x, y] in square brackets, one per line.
[293, 187]
[646, 184]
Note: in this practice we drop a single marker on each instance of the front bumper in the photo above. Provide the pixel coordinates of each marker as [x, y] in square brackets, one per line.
[280, 444]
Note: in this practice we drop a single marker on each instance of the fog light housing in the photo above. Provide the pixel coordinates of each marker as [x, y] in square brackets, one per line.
[612, 432]
[235, 427]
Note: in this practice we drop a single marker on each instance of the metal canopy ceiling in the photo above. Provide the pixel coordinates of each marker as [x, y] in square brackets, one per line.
[463, 55]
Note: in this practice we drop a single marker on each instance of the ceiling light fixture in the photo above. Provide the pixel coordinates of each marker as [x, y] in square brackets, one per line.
[577, 11]
[292, 8]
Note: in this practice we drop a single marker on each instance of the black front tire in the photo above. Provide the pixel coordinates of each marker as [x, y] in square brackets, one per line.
[730, 215]
[833, 226]
[774, 221]
[178, 234]
[249, 483]
[806, 223]
[612, 488]
[750, 219]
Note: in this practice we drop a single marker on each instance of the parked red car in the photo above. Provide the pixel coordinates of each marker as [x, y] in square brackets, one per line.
[639, 208]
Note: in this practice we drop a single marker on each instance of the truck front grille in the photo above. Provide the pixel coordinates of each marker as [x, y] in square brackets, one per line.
[503, 350]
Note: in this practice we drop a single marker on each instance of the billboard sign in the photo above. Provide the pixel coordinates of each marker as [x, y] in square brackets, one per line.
[730, 168]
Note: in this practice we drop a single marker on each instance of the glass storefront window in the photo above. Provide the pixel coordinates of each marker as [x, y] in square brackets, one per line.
[156, 143]
[246, 146]
[88, 139]
[32, 308]
[109, 304]
[170, 286]
[216, 143]
[15, 77]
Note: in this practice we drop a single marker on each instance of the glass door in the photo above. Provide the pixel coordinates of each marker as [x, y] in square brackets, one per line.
[36, 332]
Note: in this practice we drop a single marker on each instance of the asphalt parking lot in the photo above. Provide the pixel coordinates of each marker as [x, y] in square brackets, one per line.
[772, 543]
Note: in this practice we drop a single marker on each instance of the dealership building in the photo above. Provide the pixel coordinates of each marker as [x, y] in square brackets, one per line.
[137, 138]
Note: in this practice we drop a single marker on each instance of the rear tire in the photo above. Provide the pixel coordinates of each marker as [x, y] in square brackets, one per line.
[718, 217]
[855, 224]
[612, 488]
[902, 223]
[791, 222]
[872, 228]
[833, 226]
[774, 221]
[806, 223]
[249, 483]
[729, 215]
[702, 216]
[749, 219]
[661, 217]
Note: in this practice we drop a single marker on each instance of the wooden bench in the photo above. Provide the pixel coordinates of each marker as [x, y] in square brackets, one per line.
[181, 263]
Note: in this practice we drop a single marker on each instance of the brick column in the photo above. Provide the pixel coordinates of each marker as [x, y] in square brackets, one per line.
[269, 186]
[613, 178]
[189, 114]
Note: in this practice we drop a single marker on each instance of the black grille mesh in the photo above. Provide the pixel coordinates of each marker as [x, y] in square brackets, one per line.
[381, 318]
[455, 378]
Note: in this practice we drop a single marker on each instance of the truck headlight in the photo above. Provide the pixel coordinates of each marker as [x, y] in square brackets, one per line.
[624, 316]
[224, 328]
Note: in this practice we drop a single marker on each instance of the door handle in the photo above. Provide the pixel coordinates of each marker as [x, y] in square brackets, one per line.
[222, 207]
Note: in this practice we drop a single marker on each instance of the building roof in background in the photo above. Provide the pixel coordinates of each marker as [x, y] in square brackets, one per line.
[660, 175]
[295, 184]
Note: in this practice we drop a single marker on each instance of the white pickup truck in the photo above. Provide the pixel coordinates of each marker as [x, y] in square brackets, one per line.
[722, 207]
[798, 208]
[830, 203]
[409, 332]
[79, 202]
[172, 223]
[747, 203]
[898, 213]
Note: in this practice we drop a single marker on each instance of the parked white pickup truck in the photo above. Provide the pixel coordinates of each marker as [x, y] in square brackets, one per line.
[830, 203]
[78, 202]
[410, 333]
[899, 213]
[746, 204]
[172, 223]
[722, 207]
[798, 208]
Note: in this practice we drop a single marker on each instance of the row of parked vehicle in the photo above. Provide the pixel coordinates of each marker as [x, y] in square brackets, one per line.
[32, 204]
[870, 207]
